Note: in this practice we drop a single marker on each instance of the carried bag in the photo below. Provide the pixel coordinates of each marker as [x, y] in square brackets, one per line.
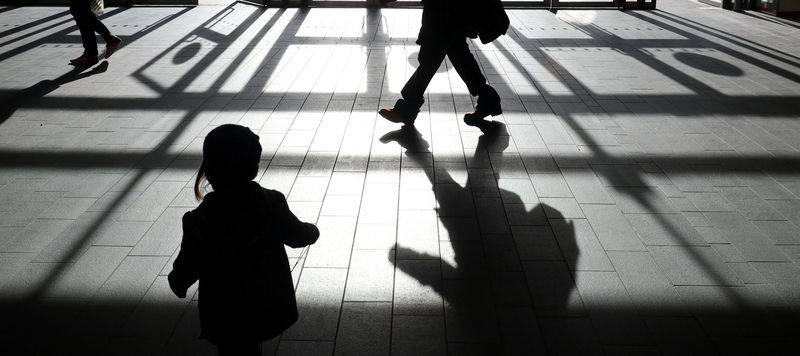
[97, 7]
[494, 21]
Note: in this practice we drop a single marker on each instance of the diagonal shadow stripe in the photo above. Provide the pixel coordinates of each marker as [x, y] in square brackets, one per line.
[32, 24]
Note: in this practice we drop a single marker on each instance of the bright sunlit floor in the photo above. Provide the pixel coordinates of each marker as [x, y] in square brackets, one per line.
[639, 194]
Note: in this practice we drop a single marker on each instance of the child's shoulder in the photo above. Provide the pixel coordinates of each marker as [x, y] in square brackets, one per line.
[273, 196]
[268, 193]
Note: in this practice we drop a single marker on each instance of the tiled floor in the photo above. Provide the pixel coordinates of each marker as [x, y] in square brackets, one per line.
[640, 194]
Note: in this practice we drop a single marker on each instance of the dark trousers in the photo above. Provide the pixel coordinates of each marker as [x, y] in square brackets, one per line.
[88, 24]
[431, 55]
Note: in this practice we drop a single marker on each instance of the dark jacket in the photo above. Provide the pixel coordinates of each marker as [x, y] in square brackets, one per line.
[234, 244]
[445, 19]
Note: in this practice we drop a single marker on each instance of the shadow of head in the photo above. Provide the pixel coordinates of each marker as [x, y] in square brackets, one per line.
[564, 230]
[709, 64]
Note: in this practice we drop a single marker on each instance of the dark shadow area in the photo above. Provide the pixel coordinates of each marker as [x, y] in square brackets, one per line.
[709, 64]
[684, 164]
[160, 325]
[772, 106]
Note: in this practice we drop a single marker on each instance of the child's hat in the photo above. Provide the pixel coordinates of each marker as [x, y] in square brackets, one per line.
[231, 153]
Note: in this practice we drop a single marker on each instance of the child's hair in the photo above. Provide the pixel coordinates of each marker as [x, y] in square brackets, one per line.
[230, 157]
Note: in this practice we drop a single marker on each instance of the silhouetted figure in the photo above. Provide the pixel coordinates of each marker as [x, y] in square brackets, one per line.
[88, 24]
[471, 308]
[233, 243]
[446, 24]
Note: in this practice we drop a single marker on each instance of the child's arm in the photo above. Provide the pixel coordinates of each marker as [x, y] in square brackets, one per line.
[295, 232]
[184, 270]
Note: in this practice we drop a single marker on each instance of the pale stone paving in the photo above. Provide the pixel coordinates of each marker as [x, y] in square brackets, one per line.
[641, 195]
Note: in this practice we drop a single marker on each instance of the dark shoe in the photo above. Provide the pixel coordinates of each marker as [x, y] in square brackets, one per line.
[395, 116]
[112, 46]
[84, 60]
[471, 118]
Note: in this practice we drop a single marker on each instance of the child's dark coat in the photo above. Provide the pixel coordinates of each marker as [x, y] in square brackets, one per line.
[233, 243]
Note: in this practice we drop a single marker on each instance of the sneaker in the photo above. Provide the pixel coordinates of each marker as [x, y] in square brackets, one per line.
[112, 46]
[395, 116]
[84, 60]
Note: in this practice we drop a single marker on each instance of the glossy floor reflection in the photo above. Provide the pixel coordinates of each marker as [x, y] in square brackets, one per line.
[640, 193]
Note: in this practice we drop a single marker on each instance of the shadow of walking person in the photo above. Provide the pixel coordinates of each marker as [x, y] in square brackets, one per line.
[498, 271]
[23, 97]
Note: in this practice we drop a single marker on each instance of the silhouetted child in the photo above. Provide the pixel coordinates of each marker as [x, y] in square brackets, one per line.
[233, 243]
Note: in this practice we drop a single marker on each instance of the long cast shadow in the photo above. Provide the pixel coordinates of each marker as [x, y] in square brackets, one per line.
[491, 277]
[44, 87]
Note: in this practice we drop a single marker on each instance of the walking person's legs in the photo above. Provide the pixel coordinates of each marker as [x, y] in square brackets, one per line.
[82, 13]
[112, 42]
[88, 24]
[470, 72]
[406, 109]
